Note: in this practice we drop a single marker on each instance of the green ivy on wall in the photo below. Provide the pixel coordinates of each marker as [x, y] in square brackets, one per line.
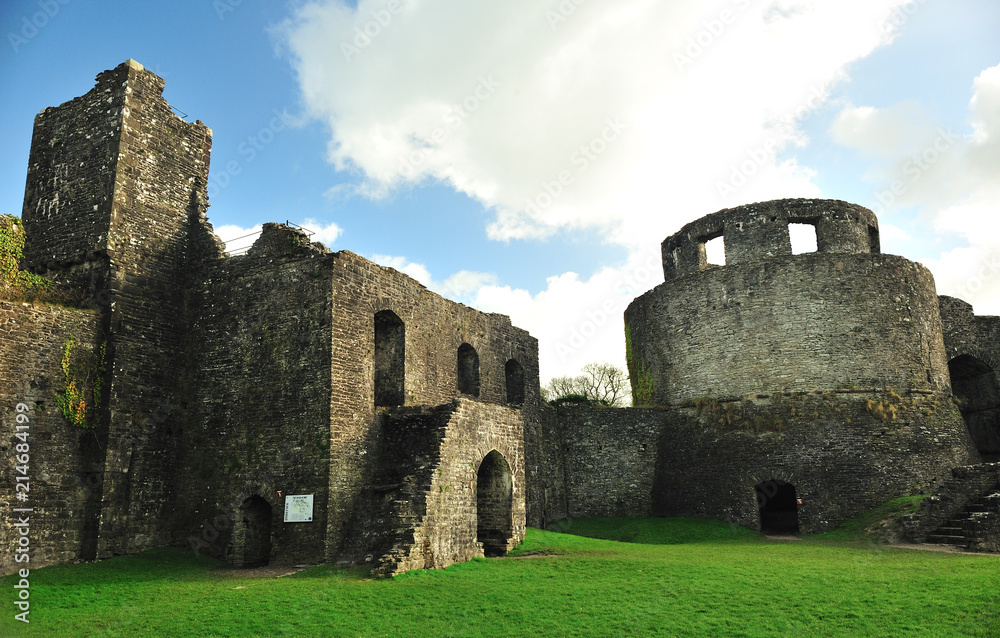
[642, 381]
[16, 284]
[80, 371]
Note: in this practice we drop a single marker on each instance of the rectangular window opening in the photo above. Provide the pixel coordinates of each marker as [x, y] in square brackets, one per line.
[803, 237]
[715, 251]
[873, 241]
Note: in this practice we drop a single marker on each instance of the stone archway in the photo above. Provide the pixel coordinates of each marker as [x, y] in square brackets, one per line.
[779, 510]
[254, 530]
[974, 384]
[494, 503]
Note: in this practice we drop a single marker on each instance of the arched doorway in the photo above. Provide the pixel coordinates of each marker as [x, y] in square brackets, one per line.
[256, 531]
[779, 509]
[494, 502]
[974, 384]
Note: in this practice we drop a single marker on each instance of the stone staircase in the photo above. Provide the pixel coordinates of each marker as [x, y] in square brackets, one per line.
[969, 528]
[963, 511]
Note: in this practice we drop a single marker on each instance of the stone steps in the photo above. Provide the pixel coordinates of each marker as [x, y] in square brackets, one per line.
[961, 530]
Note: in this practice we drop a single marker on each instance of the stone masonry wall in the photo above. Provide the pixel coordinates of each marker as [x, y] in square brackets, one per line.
[759, 231]
[160, 191]
[795, 323]
[448, 533]
[420, 509]
[435, 328]
[841, 457]
[63, 482]
[115, 183]
[972, 345]
[261, 425]
[71, 177]
[607, 458]
[843, 452]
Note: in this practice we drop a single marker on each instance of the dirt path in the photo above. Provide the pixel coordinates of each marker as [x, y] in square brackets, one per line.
[260, 572]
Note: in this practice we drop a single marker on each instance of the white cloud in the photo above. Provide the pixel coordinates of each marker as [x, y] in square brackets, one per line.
[884, 132]
[577, 321]
[501, 100]
[327, 234]
[460, 286]
[949, 175]
[630, 118]
[237, 238]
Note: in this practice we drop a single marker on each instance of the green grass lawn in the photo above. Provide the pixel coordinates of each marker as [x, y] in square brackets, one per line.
[675, 577]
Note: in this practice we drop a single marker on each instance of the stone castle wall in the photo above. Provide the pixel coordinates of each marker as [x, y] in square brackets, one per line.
[64, 471]
[601, 461]
[234, 382]
[421, 509]
[434, 331]
[972, 345]
[260, 397]
[416, 422]
[841, 458]
[115, 182]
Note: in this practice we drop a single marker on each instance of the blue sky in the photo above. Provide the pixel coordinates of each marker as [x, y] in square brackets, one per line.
[553, 145]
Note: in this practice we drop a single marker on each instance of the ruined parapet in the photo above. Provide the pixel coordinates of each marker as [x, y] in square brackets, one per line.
[111, 175]
[760, 231]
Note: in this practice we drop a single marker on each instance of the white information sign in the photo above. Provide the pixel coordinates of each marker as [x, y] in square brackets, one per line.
[299, 508]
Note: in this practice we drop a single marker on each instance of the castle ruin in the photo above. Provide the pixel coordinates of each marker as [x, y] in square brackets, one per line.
[297, 405]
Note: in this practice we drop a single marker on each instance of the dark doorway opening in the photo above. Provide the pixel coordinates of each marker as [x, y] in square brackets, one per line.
[256, 532]
[468, 370]
[390, 357]
[494, 502]
[779, 509]
[514, 374]
[974, 384]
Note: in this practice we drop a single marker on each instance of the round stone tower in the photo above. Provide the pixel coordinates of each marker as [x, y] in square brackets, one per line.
[825, 371]
[844, 316]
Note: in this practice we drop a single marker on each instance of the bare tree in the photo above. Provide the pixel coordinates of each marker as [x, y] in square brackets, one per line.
[606, 383]
[601, 383]
[563, 387]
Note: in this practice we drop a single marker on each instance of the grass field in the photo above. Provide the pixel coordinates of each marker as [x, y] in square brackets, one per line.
[675, 577]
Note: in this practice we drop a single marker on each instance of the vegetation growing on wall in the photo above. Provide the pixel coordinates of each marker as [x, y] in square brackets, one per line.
[642, 381]
[17, 284]
[83, 376]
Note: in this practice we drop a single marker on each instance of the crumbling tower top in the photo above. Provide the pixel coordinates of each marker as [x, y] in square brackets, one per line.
[760, 231]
